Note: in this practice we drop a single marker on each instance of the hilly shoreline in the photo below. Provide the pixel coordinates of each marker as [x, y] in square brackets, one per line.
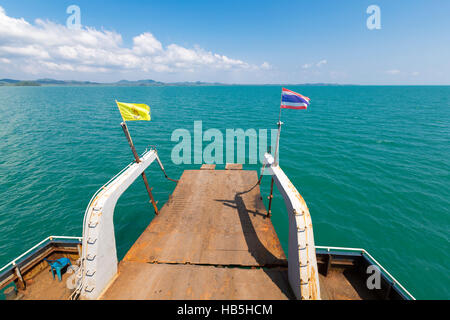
[138, 83]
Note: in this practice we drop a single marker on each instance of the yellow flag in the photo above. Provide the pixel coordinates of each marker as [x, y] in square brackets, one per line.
[134, 111]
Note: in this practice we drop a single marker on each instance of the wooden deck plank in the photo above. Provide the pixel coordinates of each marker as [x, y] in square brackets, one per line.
[208, 167]
[233, 166]
[213, 217]
[144, 281]
[211, 240]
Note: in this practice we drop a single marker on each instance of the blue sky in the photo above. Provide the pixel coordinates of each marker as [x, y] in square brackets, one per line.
[228, 41]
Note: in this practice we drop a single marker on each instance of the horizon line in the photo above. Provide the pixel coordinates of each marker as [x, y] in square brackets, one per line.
[151, 82]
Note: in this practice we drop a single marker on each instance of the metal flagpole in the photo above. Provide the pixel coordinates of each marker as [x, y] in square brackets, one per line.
[136, 156]
[277, 147]
[269, 213]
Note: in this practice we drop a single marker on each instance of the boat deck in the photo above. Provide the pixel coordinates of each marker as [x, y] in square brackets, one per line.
[211, 240]
[43, 286]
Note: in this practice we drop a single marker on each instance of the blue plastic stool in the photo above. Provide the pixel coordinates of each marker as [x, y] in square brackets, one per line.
[57, 265]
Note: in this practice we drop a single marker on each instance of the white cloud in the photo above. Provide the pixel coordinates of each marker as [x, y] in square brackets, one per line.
[146, 43]
[318, 64]
[46, 47]
[393, 71]
[321, 63]
[266, 66]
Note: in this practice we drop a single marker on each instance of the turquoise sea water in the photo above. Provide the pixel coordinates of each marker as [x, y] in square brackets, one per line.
[372, 163]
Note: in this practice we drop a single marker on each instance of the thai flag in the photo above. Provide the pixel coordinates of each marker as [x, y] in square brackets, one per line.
[293, 100]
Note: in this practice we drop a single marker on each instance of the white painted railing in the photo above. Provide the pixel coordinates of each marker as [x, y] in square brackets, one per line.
[48, 239]
[302, 265]
[99, 256]
[364, 252]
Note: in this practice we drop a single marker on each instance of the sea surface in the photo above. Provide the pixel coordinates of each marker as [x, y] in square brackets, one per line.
[372, 163]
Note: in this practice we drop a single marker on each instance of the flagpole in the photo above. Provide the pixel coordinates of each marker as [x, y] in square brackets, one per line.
[269, 213]
[138, 160]
[277, 147]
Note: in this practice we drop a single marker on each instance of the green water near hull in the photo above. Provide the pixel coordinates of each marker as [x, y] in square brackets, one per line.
[372, 163]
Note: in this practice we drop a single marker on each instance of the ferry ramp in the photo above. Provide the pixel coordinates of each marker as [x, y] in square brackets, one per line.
[211, 240]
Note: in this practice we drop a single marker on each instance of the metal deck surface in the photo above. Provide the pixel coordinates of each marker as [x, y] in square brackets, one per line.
[211, 240]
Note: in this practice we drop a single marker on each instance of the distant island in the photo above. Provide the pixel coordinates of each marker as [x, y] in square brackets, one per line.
[126, 83]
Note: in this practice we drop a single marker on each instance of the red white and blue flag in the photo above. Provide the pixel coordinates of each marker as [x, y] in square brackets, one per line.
[293, 100]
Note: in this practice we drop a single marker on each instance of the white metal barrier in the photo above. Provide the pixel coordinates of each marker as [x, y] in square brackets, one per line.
[13, 262]
[302, 265]
[364, 252]
[99, 256]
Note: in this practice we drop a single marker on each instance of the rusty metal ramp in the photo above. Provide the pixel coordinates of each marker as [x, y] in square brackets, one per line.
[211, 240]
